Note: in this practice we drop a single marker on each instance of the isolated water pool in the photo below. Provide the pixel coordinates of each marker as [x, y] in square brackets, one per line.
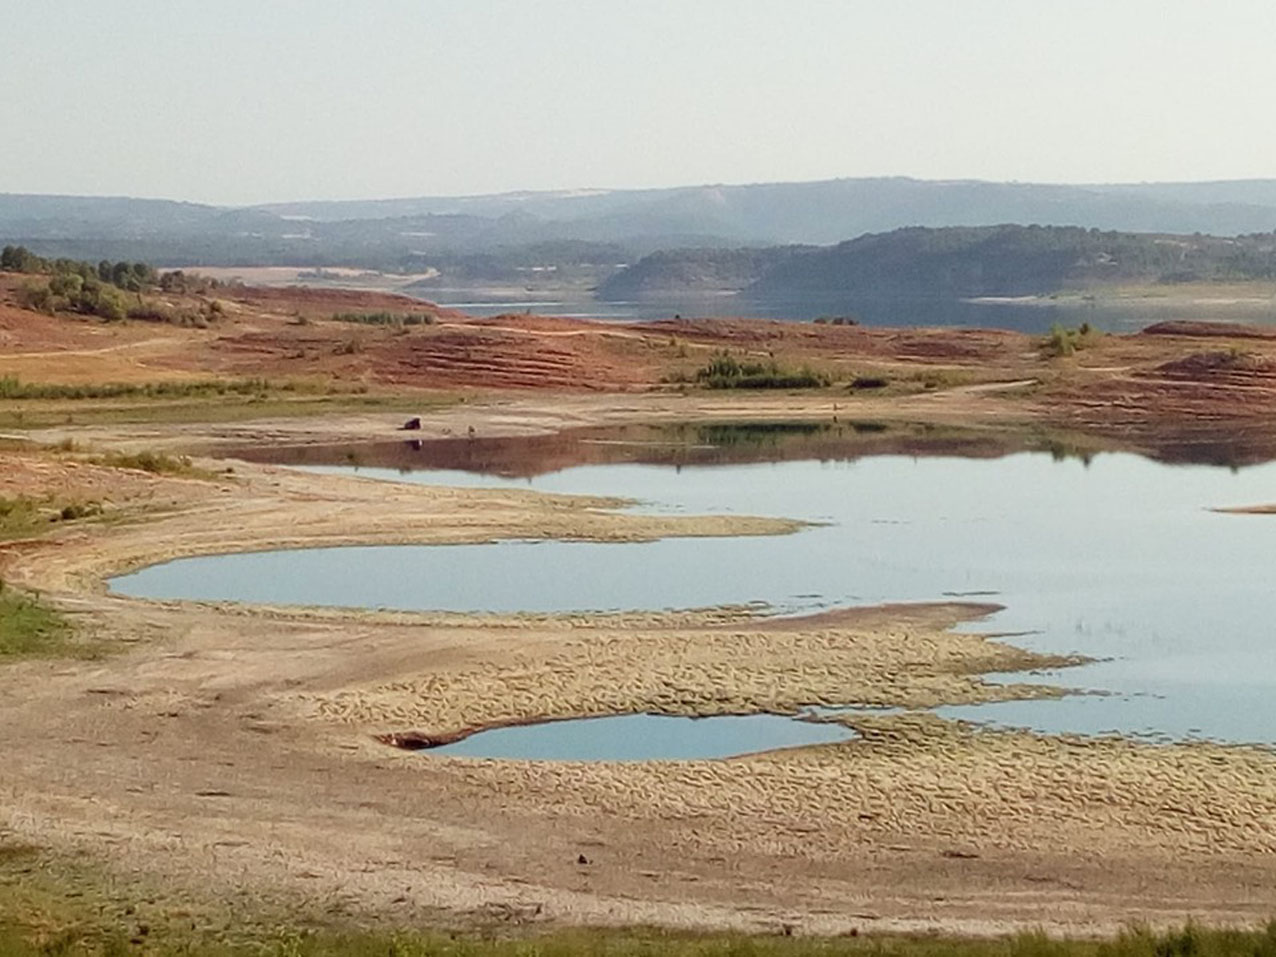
[1119, 558]
[645, 737]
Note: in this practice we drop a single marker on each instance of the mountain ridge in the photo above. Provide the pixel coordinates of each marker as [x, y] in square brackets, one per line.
[411, 234]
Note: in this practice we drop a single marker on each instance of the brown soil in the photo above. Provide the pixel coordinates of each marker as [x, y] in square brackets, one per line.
[1119, 384]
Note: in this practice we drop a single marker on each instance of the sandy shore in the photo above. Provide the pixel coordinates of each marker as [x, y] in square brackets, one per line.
[223, 746]
[601, 667]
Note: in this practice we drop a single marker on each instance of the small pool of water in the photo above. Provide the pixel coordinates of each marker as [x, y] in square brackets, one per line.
[646, 737]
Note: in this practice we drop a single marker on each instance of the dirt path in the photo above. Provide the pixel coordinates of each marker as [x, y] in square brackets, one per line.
[167, 342]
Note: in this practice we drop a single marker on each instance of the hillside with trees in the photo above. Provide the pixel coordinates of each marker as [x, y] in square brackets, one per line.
[108, 290]
[680, 271]
[954, 263]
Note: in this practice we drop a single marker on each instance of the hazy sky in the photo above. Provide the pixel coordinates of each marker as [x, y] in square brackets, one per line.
[239, 101]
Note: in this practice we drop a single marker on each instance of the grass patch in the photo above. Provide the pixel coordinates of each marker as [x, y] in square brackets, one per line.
[910, 381]
[20, 517]
[29, 628]
[11, 387]
[725, 371]
[23, 516]
[157, 463]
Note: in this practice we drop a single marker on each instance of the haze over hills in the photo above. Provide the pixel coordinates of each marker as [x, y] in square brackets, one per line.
[829, 211]
[412, 234]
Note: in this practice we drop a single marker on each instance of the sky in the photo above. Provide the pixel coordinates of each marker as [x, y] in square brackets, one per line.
[246, 101]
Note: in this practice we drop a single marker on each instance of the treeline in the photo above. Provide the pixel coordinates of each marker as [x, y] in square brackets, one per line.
[678, 271]
[80, 286]
[76, 285]
[953, 262]
[129, 276]
[1014, 261]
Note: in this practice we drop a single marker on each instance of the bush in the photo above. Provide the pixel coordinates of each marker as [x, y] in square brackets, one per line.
[724, 371]
[870, 382]
[186, 282]
[70, 292]
[1063, 341]
[152, 311]
[76, 510]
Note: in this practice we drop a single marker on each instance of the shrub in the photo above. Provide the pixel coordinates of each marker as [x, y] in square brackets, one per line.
[870, 382]
[70, 292]
[1063, 341]
[75, 510]
[152, 311]
[186, 282]
[724, 371]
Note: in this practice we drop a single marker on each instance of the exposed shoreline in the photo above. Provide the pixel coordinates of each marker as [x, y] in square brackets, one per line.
[228, 750]
[233, 745]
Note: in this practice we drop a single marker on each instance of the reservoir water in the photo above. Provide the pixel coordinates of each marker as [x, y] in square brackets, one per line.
[1113, 556]
[1034, 317]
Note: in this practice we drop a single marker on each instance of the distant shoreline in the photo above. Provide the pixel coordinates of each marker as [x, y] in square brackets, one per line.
[1249, 295]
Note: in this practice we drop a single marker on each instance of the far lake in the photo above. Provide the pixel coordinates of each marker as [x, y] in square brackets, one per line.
[1030, 318]
[1116, 557]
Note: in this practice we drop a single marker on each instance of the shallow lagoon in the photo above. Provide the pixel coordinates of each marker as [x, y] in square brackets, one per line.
[1116, 557]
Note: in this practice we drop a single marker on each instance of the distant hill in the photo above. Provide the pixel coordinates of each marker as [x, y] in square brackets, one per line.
[678, 272]
[419, 234]
[832, 210]
[951, 262]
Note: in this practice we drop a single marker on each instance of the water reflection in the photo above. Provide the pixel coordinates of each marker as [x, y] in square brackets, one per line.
[835, 438]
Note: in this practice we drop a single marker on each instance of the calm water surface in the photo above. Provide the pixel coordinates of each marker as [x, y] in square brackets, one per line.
[1118, 558]
[645, 737]
[1021, 317]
